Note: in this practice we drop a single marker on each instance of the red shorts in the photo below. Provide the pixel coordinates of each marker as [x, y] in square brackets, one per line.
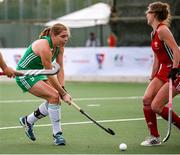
[163, 72]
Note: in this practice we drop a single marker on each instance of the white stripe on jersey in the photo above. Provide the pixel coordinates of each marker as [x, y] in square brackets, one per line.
[169, 51]
[25, 84]
[27, 60]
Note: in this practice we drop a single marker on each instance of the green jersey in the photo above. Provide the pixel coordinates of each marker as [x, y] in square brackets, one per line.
[31, 61]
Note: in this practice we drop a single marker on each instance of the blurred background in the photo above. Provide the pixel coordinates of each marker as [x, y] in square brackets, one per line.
[107, 78]
[22, 20]
[120, 36]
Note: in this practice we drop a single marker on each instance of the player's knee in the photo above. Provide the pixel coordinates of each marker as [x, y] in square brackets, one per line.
[157, 108]
[147, 101]
[54, 98]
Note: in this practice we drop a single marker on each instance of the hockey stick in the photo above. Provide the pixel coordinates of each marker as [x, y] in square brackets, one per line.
[35, 72]
[108, 130]
[170, 112]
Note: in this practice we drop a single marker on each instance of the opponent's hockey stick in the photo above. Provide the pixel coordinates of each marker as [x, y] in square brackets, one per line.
[170, 112]
[108, 130]
[35, 72]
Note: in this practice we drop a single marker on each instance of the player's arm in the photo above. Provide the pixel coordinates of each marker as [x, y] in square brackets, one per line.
[60, 61]
[2, 63]
[166, 36]
[155, 67]
[7, 70]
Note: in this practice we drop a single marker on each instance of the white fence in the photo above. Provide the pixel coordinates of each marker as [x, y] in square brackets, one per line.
[98, 64]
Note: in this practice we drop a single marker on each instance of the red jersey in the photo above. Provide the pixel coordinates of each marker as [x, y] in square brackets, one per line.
[164, 55]
[162, 51]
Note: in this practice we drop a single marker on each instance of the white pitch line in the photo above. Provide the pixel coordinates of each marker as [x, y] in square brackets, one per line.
[77, 99]
[77, 123]
[94, 105]
[80, 99]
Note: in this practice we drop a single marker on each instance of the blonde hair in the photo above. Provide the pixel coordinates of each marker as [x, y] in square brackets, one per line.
[55, 29]
[162, 12]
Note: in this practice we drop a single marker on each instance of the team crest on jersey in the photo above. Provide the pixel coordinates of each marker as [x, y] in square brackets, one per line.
[156, 45]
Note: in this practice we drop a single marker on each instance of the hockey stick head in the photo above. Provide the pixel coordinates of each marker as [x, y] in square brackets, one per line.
[169, 125]
[166, 138]
[108, 130]
[56, 69]
[169, 112]
[111, 131]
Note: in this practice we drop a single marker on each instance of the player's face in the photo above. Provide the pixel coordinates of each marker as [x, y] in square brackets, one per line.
[62, 38]
[150, 16]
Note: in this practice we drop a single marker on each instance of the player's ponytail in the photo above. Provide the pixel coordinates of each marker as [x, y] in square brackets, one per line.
[169, 17]
[45, 32]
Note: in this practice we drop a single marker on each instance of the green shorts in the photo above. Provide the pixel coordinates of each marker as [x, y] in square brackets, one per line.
[27, 82]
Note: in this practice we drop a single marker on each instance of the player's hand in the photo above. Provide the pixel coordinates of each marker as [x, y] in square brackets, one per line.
[67, 98]
[173, 74]
[9, 72]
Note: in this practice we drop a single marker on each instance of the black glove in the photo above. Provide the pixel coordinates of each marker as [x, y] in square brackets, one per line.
[173, 74]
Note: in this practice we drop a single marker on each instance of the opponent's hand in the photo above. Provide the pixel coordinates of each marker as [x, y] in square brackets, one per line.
[9, 72]
[18, 73]
[67, 98]
[173, 74]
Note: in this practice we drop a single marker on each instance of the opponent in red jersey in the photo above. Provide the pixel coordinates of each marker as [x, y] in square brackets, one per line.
[165, 65]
